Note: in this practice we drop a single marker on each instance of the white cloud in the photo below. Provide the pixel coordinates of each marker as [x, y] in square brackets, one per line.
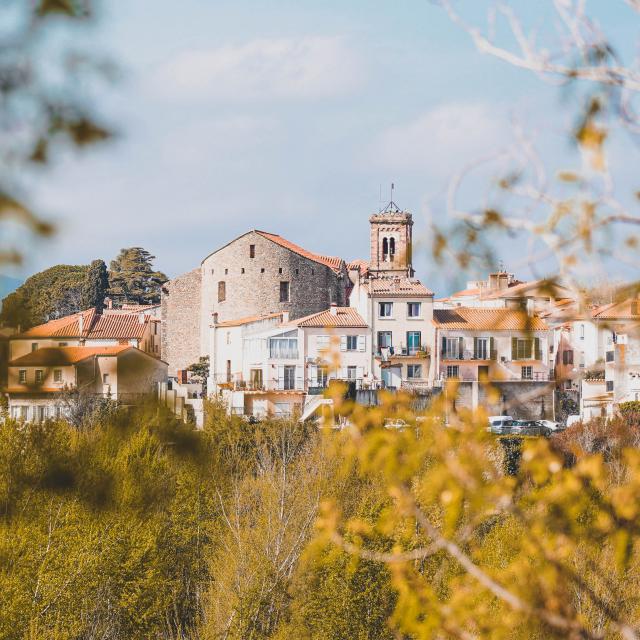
[443, 139]
[280, 68]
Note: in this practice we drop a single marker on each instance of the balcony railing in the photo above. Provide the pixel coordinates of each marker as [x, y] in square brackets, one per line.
[395, 351]
[469, 355]
[536, 376]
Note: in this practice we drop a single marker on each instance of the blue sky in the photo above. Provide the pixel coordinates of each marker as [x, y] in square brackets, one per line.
[287, 116]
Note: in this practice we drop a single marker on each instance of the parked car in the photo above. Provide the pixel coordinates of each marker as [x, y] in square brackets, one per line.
[530, 428]
[551, 425]
[497, 423]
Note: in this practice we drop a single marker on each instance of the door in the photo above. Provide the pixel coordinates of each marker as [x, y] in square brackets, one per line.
[289, 377]
[483, 373]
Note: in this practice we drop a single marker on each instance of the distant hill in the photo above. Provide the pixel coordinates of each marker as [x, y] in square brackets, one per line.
[8, 285]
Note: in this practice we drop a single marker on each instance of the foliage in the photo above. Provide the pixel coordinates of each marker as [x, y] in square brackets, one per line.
[200, 371]
[630, 412]
[44, 101]
[102, 531]
[133, 279]
[52, 293]
[95, 287]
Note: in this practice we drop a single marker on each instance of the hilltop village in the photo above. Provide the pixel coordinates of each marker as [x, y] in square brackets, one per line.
[272, 324]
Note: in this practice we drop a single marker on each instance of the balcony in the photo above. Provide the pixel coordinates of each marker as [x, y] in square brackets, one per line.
[401, 351]
[469, 355]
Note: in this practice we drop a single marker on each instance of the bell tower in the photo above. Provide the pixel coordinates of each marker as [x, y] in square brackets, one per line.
[391, 235]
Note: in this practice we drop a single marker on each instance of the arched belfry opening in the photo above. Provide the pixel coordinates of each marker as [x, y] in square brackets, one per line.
[391, 231]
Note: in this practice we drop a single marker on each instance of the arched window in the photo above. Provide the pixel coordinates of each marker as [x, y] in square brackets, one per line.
[385, 250]
[392, 249]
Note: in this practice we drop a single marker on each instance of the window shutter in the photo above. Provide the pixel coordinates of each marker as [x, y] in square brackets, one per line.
[570, 356]
[280, 376]
[514, 348]
[475, 348]
[460, 347]
[444, 346]
[492, 349]
[313, 375]
[362, 343]
[299, 377]
[359, 372]
[343, 343]
[537, 349]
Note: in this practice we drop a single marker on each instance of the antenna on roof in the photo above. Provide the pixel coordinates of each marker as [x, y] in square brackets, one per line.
[380, 200]
[501, 268]
[392, 207]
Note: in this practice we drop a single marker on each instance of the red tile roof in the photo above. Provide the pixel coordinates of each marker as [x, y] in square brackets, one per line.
[465, 292]
[64, 356]
[95, 326]
[335, 317]
[546, 288]
[329, 261]
[625, 310]
[362, 265]
[398, 287]
[487, 319]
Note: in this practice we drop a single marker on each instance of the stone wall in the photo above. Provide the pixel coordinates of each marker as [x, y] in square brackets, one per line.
[522, 400]
[180, 309]
[252, 284]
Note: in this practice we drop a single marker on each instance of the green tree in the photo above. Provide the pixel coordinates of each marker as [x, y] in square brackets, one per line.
[200, 371]
[132, 278]
[52, 293]
[95, 286]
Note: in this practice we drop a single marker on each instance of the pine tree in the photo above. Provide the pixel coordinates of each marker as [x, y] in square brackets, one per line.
[132, 278]
[95, 286]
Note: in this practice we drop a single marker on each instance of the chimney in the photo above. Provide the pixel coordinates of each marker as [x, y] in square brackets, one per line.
[285, 317]
[108, 302]
[334, 309]
[81, 324]
[141, 318]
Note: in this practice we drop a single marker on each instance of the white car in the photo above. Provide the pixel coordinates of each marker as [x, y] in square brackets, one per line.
[497, 422]
[551, 425]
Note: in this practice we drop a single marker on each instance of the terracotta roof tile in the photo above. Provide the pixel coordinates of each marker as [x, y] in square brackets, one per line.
[398, 287]
[625, 310]
[362, 265]
[465, 292]
[109, 326]
[329, 261]
[61, 356]
[343, 317]
[487, 319]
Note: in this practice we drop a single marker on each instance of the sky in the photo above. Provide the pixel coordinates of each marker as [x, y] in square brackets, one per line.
[290, 117]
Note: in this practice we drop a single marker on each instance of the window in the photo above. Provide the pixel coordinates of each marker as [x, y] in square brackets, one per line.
[256, 378]
[413, 309]
[282, 409]
[385, 309]
[481, 351]
[42, 414]
[521, 348]
[39, 376]
[262, 270]
[567, 356]
[105, 378]
[527, 373]
[452, 348]
[352, 373]
[453, 371]
[34, 346]
[323, 376]
[22, 376]
[289, 378]
[297, 271]
[581, 332]
[211, 271]
[242, 270]
[57, 375]
[280, 270]
[226, 272]
[352, 343]
[24, 412]
[611, 356]
[284, 292]
[283, 348]
[413, 342]
[322, 343]
[228, 336]
[609, 385]
[384, 339]
[414, 371]
[222, 291]
[252, 250]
